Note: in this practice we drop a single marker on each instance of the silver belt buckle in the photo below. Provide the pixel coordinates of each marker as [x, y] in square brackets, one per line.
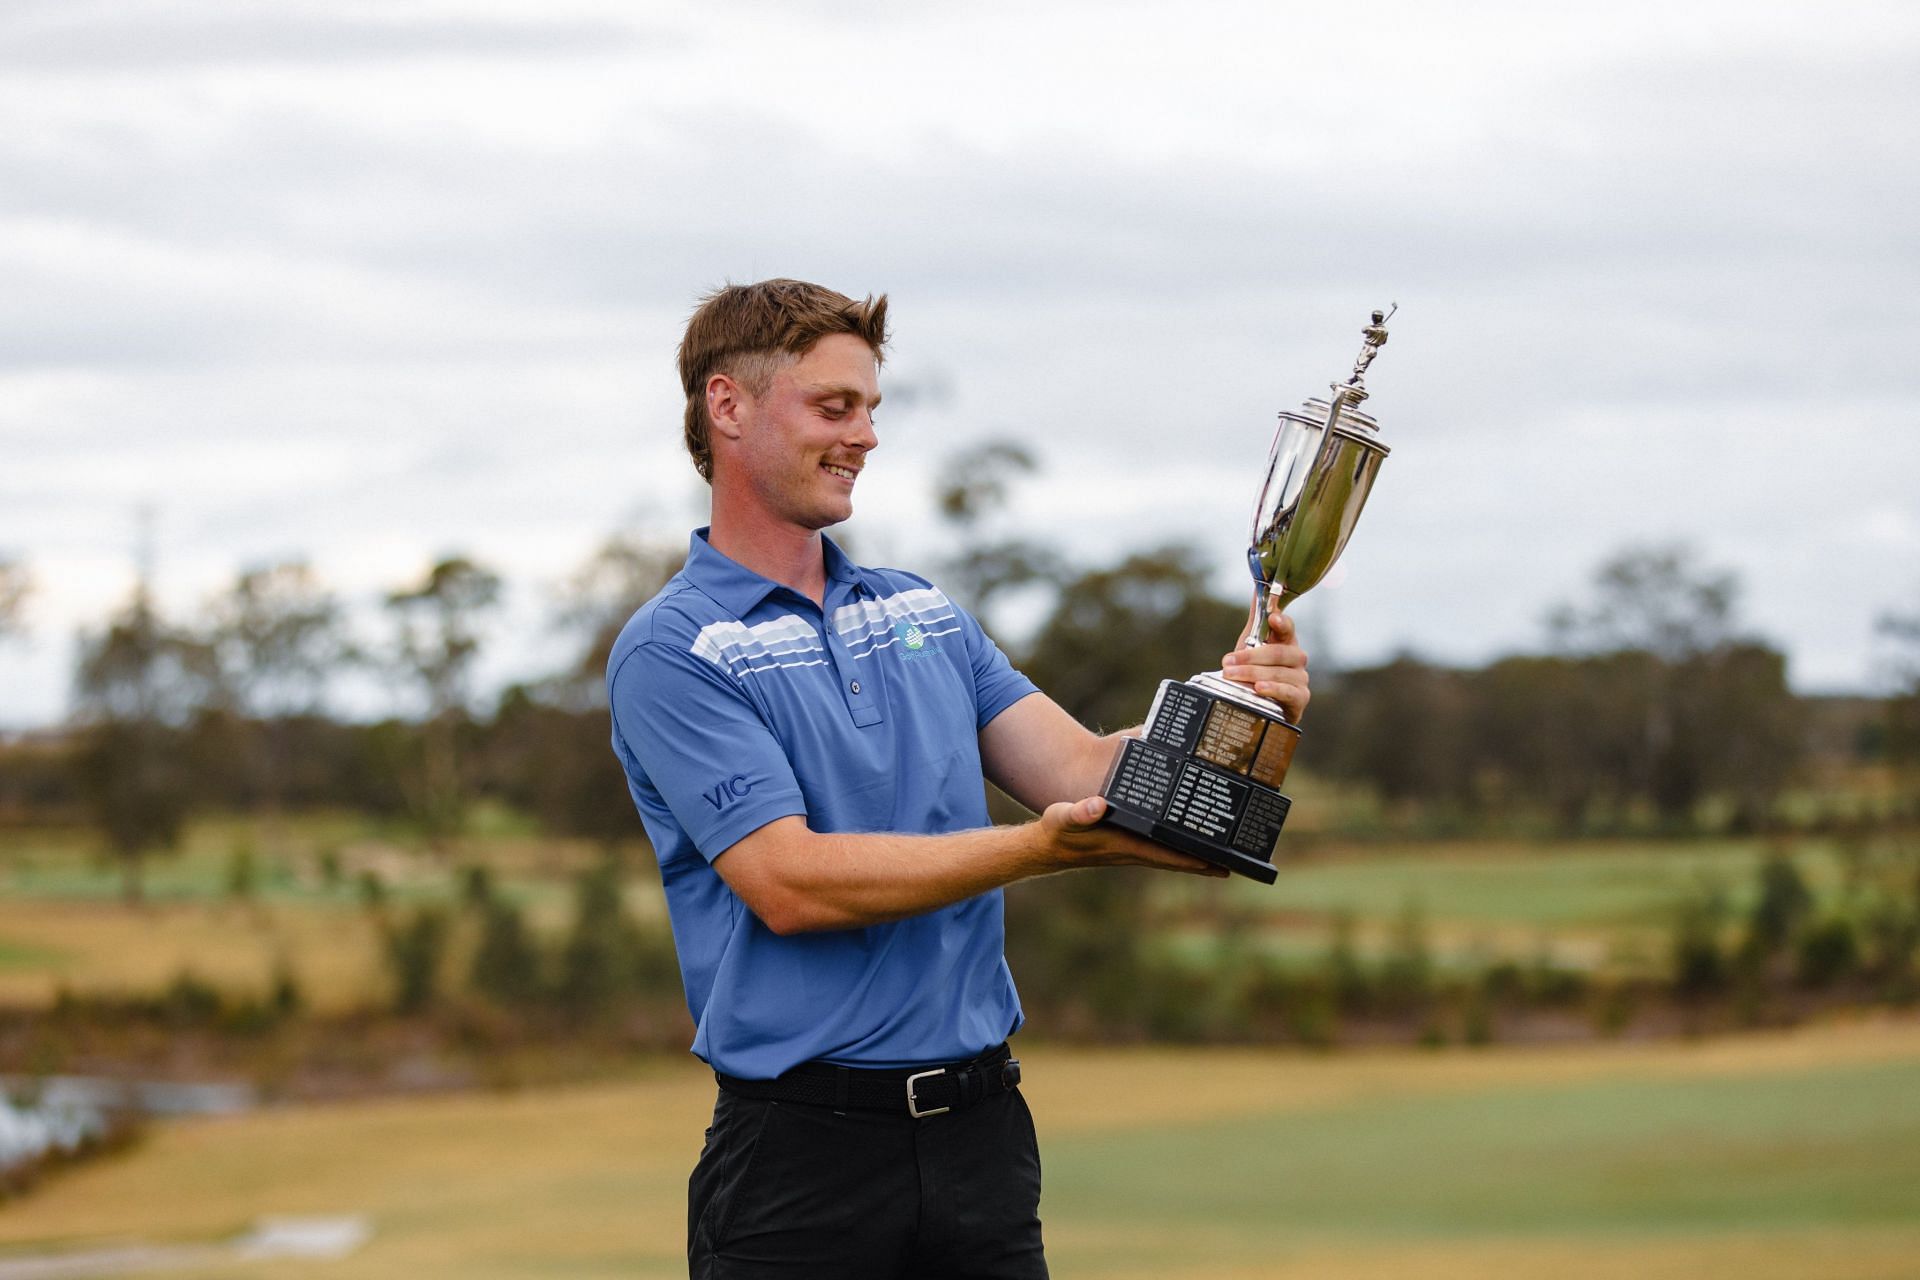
[913, 1105]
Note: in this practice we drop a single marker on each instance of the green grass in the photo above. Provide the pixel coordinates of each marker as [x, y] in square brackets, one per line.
[1828, 1149]
[1571, 883]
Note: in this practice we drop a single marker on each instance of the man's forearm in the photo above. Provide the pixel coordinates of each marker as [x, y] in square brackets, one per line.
[798, 881]
[1040, 755]
[833, 880]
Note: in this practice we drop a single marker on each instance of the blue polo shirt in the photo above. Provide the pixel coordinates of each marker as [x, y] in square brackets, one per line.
[737, 701]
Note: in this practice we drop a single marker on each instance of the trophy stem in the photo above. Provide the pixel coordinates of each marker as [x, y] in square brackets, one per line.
[1258, 631]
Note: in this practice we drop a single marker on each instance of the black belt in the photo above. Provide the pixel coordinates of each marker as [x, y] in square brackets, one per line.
[918, 1091]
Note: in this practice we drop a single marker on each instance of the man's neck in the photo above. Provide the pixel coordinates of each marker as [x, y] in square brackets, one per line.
[784, 553]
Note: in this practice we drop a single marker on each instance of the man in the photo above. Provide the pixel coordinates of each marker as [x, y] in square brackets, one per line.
[805, 739]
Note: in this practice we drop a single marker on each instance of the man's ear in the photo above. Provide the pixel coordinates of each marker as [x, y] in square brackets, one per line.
[727, 405]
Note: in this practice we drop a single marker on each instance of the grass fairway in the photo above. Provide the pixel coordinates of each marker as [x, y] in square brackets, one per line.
[1780, 1156]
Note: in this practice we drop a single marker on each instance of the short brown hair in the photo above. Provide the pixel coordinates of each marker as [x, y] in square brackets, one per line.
[741, 329]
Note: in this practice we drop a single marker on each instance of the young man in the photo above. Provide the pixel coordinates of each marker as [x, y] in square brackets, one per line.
[806, 740]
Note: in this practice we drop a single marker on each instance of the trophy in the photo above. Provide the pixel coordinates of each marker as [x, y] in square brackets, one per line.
[1204, 775]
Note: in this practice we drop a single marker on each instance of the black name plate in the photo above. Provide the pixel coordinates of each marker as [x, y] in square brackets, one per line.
[1204, 778]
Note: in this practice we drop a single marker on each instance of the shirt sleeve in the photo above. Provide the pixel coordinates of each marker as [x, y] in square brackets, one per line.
[703, 745]
[996, 685]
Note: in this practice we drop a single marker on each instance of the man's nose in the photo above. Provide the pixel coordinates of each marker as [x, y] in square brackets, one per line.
[863, 436]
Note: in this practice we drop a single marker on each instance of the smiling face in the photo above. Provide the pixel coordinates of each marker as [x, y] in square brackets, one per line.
[797, 448]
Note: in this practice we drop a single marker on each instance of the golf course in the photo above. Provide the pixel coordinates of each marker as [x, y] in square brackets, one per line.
[1770, 1155]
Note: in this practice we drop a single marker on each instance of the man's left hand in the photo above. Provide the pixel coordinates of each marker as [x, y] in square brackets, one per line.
[1276, 668]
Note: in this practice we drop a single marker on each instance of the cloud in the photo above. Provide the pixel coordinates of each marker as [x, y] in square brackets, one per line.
[117, 36]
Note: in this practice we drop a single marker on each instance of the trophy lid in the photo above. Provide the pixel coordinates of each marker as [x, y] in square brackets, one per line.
[1352, 422]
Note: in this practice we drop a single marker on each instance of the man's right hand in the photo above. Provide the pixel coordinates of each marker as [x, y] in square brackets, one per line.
[1076, 834]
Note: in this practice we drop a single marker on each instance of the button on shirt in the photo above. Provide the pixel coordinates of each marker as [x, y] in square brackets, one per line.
[736, 701]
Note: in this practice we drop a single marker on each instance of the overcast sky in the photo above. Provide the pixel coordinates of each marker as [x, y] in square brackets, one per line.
[373, 282]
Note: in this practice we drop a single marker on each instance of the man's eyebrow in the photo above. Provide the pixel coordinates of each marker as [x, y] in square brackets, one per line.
[822, 391]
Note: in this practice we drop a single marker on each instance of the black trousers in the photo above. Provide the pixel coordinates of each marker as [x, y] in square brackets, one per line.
[788, 1189]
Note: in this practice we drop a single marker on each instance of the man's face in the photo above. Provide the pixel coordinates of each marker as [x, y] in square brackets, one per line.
[805, 440]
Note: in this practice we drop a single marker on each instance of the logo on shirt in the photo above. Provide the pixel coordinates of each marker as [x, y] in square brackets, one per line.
[915, 643]
[728, 791]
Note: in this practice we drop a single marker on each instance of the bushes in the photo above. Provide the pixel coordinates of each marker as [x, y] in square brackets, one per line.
[1789, 942]
[414, 952]
[506, 965]
[188, 1003]
[1829, 952]
[1700, 967]
[605, 963]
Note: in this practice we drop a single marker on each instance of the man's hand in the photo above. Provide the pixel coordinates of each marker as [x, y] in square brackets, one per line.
[1276, 669]
[1074, 831]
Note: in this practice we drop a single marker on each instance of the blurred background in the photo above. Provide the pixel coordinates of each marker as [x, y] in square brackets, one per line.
[339, 432]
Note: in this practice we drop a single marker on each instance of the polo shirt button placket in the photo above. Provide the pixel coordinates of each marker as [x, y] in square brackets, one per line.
[862, 705]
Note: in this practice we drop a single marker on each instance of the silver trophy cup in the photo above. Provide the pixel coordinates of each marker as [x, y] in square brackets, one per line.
[1204, 775]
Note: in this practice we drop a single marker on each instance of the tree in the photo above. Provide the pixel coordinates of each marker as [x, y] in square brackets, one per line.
[547, 749]
[278, 637]
[1741, 726]
[15, 586]
[1403, 727]
[1717, 716]
[437, 622]
[1115, 633]
[975, 486]
[1653, 599]
[1903, 708]
[139, 682]
[1538, 720]
[622, 574]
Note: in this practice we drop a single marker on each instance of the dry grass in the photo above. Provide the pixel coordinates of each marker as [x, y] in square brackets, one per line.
[107, 947]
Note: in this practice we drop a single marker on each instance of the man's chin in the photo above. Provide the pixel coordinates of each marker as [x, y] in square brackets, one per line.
[827, 519]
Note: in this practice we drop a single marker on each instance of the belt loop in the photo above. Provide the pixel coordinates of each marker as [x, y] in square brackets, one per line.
[840, 1077]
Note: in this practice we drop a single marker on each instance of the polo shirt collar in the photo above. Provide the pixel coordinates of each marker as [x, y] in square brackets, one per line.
[736, 588]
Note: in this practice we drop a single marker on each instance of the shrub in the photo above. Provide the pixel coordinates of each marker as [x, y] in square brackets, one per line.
[506, 965]
[1406, 978]
[1783, 904]
[604, 959]
[414, 953]
[285, 998]
[243, 874]
[1893, 934]
[190, 1001]
[476, 884]
[1829, 952]
[1476, 1018]
[1700, 967]
[1347, 986]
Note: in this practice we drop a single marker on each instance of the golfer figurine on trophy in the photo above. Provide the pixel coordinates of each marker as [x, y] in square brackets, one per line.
[1204, 776]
